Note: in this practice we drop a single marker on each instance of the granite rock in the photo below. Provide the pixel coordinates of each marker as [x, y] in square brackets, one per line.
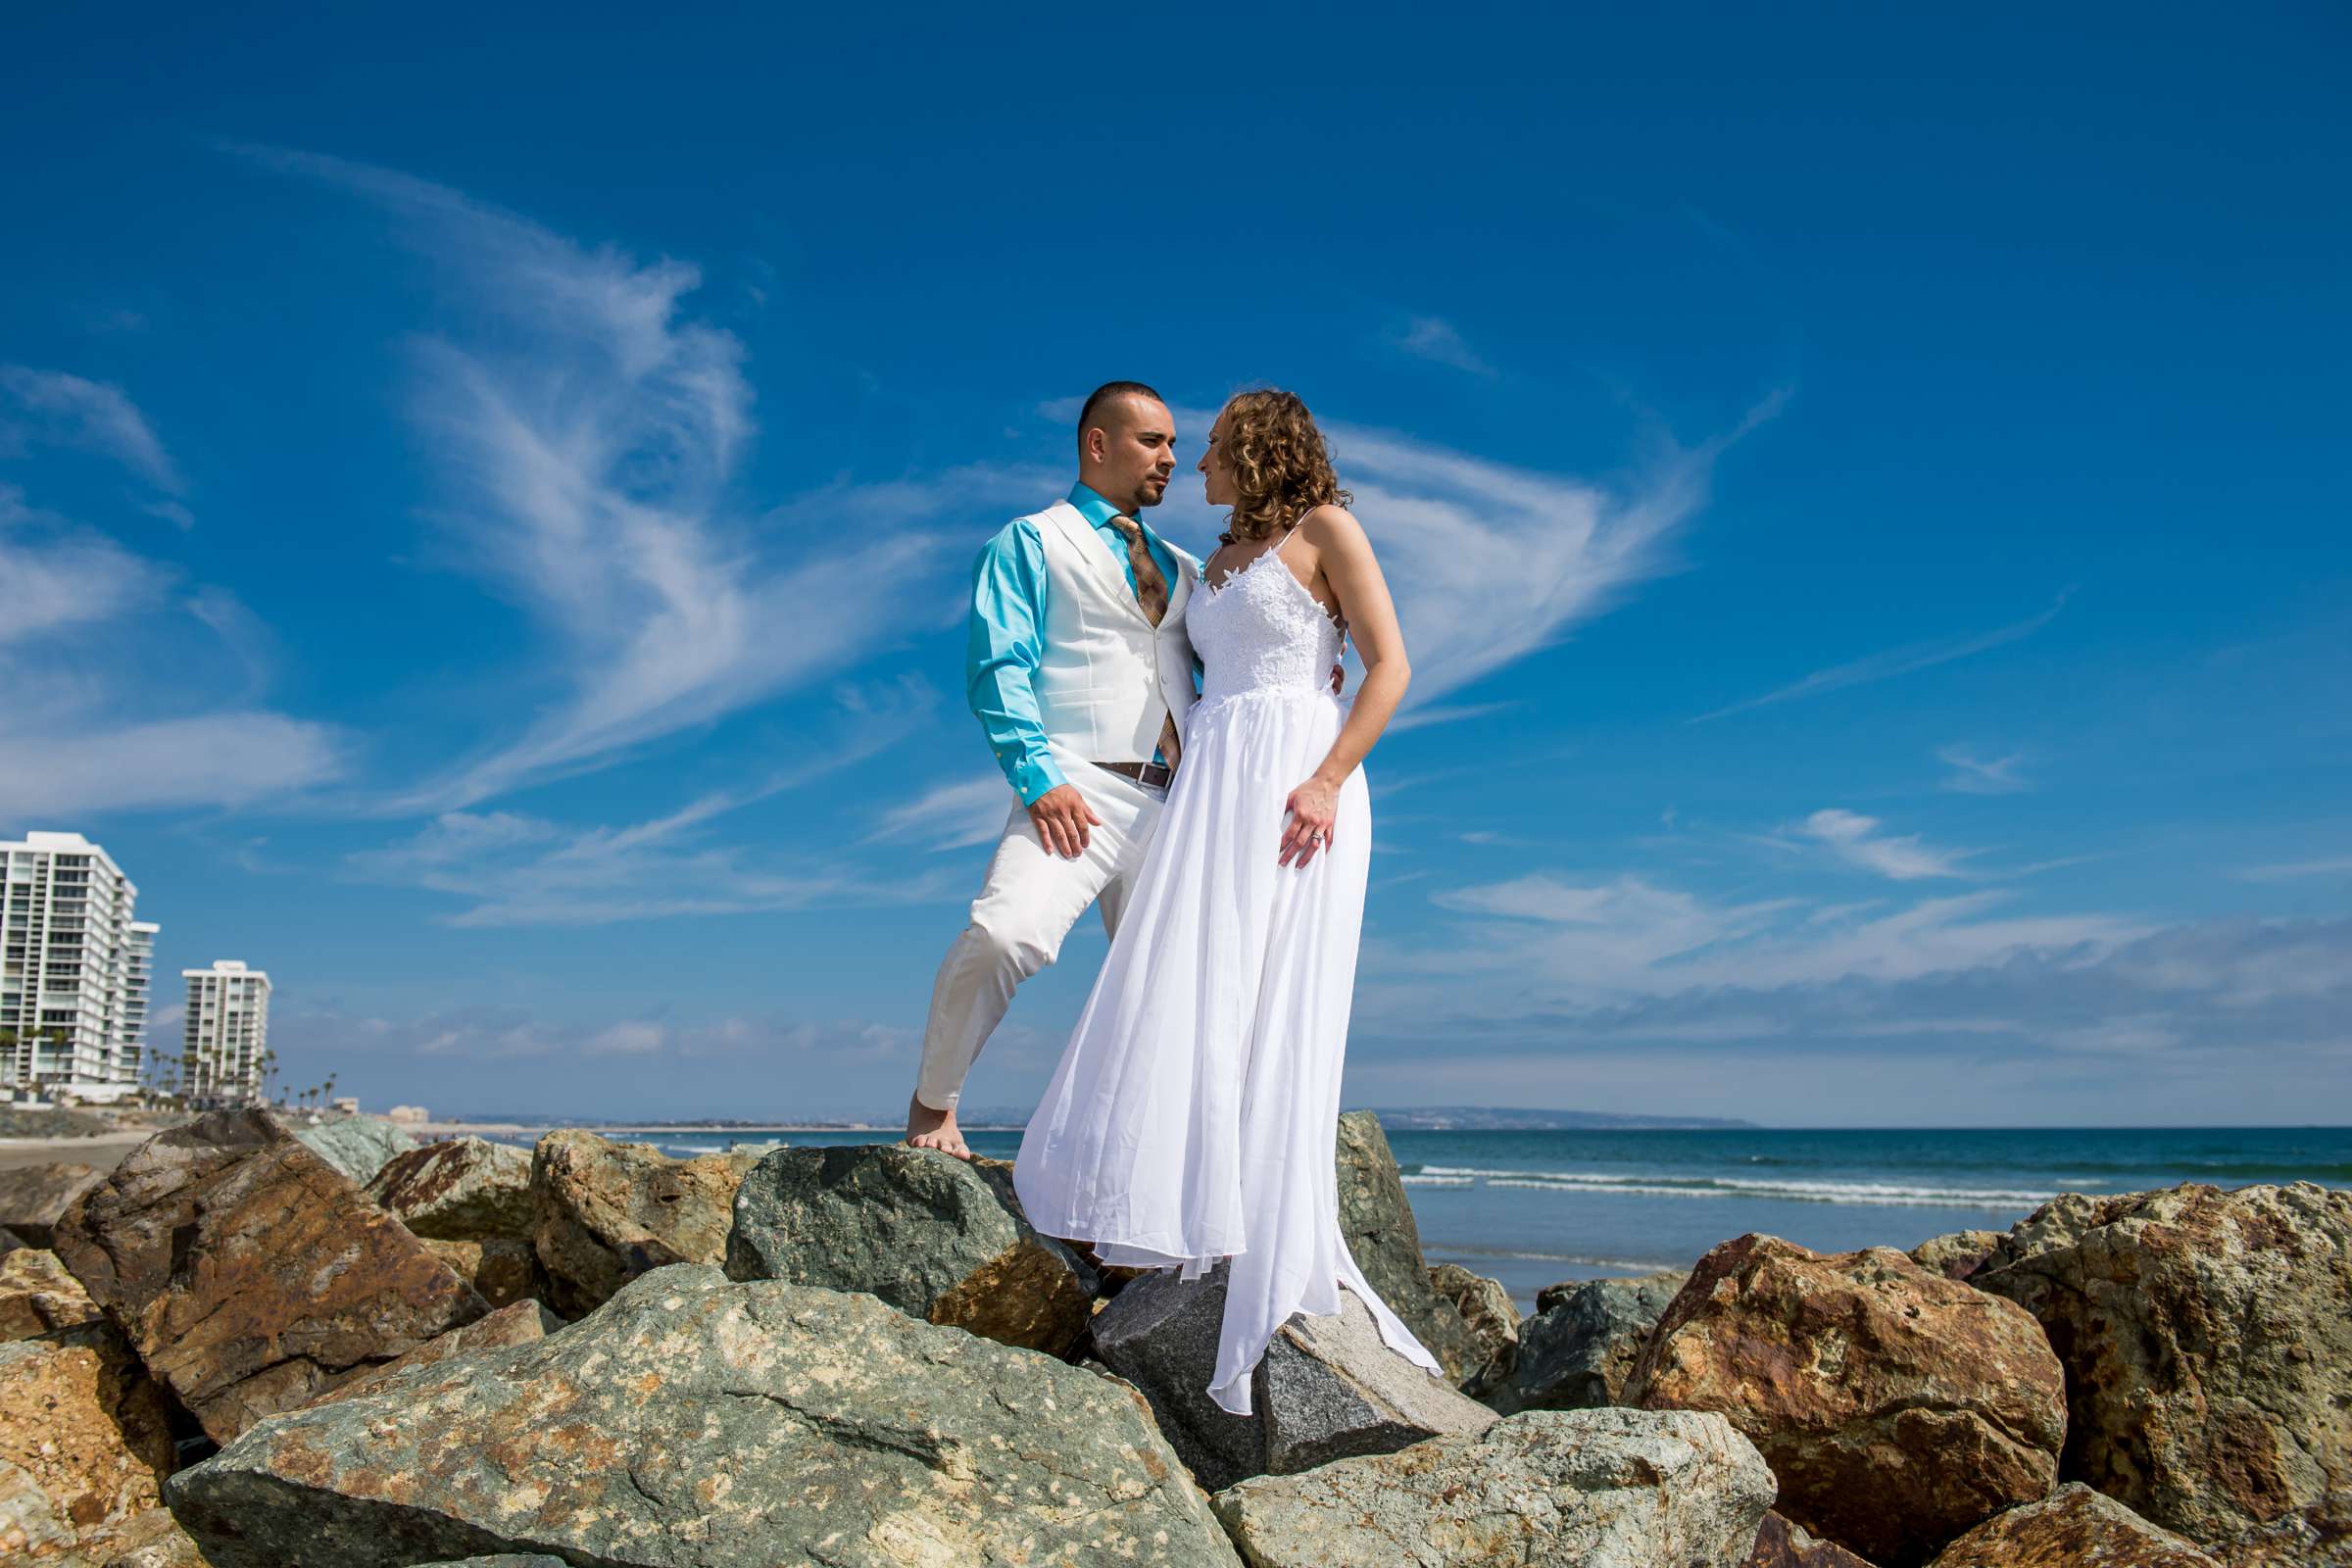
[501, 1270]
[1958, 1255]
[605, 1213]
[2206, 1338]
[1579, 1353]
[2318, 1535]
[251, 1275]
[1491, 1319]
[82, 1422]
[1327, 1388]
[2071, 1528]
[1376, 1225]
[697, 1422]
[1551, 1295]
[938, 1237]
[1612, 1488]
[1781, 1544]
[356, 1145]
[37, 1296]
[33, 1197]
[464, 1189]
[1898, 1408]
[519, 1324]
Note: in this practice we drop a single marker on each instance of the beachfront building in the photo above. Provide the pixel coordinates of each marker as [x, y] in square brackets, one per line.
[72, 962]
[226, 1036]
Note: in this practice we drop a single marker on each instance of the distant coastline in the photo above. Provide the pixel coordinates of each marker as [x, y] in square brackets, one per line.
[996, 1118]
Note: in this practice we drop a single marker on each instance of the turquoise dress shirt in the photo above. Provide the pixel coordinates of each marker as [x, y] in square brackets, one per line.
[1008, 618]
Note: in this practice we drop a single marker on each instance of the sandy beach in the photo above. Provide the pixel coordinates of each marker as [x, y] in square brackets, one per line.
[104, 1150]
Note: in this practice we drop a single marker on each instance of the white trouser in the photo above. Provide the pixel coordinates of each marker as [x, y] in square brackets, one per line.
[1030, 901]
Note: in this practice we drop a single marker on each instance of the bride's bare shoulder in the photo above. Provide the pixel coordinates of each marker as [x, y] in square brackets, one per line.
[1329, 526]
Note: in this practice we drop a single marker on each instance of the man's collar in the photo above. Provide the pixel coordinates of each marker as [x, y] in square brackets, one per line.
[1091, 505]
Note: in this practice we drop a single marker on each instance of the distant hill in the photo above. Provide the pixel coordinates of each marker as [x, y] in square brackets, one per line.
[1501, 1118]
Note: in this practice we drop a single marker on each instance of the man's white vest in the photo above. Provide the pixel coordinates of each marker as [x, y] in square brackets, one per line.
[1106, 677]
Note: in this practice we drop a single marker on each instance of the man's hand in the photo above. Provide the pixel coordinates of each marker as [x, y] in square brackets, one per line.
[1338, 676]
[1062, 817]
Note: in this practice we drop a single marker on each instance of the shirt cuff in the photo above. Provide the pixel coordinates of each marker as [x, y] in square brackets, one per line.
[1032, 776]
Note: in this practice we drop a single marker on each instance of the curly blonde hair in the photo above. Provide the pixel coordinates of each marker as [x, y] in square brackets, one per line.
[1281, 463]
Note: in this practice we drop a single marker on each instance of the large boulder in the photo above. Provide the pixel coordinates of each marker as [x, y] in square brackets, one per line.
[1491, 1319]
[148, 1539]
[501, 1270]
[1376, 1224]
[2206, 1338]
[37, 1296]
[605, 1213]
[83, 1424]
[466, 1190]
[939, 1237]
[1579, 1353]
[2071, 1528]
[1598, 1487]
[2319, 1536]
[251, 1275]
[356, 1146]
[32, 1197]
[1783, 1544]
[696, 1422]
[1551, 1295]
[1327, 1388]
[1958, 1255]
[1898, 1408]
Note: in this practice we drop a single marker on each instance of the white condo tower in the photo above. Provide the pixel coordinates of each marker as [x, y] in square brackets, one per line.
[73, 970]
[227, 1032]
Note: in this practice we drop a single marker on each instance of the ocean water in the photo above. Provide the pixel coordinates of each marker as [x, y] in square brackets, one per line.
[1530, 1208]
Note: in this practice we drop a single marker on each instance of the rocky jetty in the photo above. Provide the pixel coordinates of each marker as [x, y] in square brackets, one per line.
[943, 1240]
[699, 1420]
[356, 1146]
[1601, 1487]
[2207, 1339]
[1898, 1408]
[893, 1368]
[604, 1213]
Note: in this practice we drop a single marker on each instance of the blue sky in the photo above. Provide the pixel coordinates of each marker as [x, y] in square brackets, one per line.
[485, 501]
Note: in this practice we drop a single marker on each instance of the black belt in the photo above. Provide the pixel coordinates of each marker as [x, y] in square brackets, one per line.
[1152, 773]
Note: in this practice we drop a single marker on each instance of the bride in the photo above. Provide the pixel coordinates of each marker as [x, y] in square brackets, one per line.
[1193, 1113]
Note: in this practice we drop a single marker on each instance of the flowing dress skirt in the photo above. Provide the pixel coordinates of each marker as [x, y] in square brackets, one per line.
[1193, 1113]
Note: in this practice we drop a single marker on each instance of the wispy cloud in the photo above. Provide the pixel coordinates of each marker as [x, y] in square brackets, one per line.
[2289, 870]
[59, 576]
[588, 438]
[1427, 337]
[1856, 838]
[950, 817]
[1893, 661]
[51, 408]
[1977, 776]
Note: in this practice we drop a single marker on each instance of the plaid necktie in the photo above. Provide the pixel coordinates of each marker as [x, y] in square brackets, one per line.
[1151, 594]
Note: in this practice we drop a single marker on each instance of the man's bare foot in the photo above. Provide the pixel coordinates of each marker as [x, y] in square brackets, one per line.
[934, 1129]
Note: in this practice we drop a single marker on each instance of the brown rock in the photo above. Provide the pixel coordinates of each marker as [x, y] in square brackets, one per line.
[152, 1539]
[2071, 1528]
[1782, 1544]
[33, 1196]
[1491, 1320]
[38, 1294]
[250, 1274]
[2206, 1338]
[606, 1212]
[1897, 1407]
[1376, 1224]
[81, 1420]
[501, 1270]
[519, 1324]
[2319, 1536]
[1958, 1255]
[466, 1190]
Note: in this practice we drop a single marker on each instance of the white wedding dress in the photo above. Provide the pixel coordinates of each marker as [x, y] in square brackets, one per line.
[1193, 1113]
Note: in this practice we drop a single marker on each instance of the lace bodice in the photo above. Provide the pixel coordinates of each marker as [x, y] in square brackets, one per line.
[1262, 631]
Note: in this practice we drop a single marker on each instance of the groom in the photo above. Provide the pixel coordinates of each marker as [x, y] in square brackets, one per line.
[1079, 669]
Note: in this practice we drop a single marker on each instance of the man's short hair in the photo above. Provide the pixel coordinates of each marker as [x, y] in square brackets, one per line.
[1103, 393]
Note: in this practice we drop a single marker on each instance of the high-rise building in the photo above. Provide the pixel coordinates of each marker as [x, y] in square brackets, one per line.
[69, 950]
[227, 1032]
[137, 984]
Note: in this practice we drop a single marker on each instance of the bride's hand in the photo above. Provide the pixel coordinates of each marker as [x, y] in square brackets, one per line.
[1314, 807]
